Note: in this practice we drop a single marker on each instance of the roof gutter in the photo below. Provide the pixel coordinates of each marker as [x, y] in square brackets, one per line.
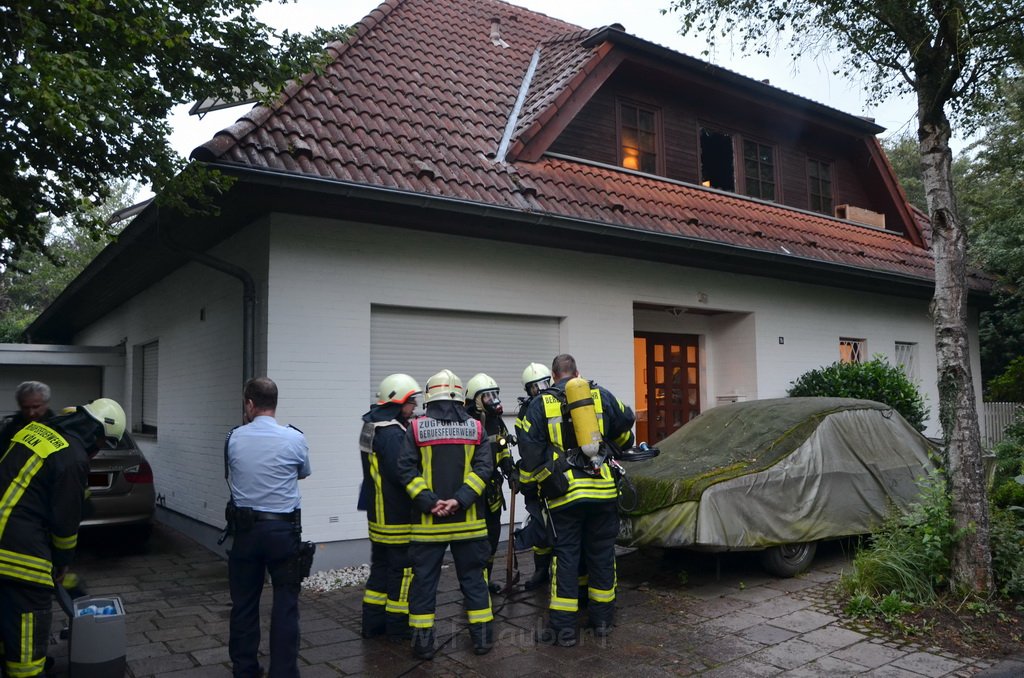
[354, 190]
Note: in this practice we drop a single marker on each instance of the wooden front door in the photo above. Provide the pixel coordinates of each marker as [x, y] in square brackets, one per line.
[672, 376]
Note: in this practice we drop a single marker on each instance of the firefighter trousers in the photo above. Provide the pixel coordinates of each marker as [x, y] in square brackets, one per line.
[585, 534]
[386, 599]
[470, 558]
[24, 627]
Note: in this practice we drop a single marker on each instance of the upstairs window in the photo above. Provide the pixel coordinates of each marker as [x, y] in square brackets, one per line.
[716, 160]
[819, 182]
[759, 170]
[638, 138]
[852, 350]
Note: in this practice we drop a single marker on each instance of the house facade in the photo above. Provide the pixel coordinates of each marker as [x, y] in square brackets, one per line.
[474, 186]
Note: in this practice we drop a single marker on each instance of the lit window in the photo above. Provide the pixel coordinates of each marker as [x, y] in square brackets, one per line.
[639, 138]
[906, 357]
[819, 181]
[852, 350]
[759, 170]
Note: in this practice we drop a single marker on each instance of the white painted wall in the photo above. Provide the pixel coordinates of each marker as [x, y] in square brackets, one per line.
[319, 278]
[200, 371]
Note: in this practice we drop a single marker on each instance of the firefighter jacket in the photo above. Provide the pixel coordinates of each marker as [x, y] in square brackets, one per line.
[388, 507]
[15, 423]
[498, 437]
[44, 476]
[547, 433]
[527, 482]
[445, 456]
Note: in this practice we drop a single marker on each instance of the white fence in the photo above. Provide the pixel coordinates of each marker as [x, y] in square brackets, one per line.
[995, 417]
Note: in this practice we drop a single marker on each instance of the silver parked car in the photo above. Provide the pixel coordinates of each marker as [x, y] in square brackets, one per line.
[121, 489]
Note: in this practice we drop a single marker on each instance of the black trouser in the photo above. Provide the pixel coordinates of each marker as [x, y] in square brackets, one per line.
[386, 599]
[493, 520]
[24, 627]
[470, 557]
[585, 533]
[268, 546]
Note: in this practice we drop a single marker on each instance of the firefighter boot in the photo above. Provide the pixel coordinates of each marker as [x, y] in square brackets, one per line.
[423, 643]
[491, 586]
[541, 572]
[373, 621]
[482, 635]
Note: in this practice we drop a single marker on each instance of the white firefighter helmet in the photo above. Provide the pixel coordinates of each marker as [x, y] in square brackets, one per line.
[480, 383]
[534, 375]
[108, 413]
[397, 388]
[444, 386]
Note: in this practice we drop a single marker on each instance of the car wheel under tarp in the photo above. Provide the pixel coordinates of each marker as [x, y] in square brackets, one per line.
[788, 560]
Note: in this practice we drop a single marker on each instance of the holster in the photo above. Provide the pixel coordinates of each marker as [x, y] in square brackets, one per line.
[238, 519]
[299, 566]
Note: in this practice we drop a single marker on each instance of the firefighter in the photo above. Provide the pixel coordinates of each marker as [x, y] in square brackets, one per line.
[536, 378]
[43, 483]
[444, 464]
[579, 489]
[388, 508]
[483, 403]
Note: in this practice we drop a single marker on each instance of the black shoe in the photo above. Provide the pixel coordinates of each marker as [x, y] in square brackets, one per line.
[601, 630]
[482, 635]
[541, 573]
[372, 632]
[561, 637]
[494, 588]
[423, 644]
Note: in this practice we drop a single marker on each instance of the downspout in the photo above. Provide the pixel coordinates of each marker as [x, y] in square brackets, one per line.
[248, 295]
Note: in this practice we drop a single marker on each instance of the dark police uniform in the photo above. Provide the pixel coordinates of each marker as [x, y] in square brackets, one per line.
[388, 514]
[265, 460]
[445, 456]
[581, 502]
[43, 481]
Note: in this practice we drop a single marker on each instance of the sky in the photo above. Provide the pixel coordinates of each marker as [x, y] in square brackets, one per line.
[809, 77]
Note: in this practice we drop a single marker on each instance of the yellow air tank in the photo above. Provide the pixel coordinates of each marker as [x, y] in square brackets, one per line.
[584, 417]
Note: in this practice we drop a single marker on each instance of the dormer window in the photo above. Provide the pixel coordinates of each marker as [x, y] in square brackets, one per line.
[819, 183]
[759, 170]
[638, 137]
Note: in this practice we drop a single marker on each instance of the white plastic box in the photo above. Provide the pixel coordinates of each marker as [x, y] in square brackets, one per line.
[97, 641]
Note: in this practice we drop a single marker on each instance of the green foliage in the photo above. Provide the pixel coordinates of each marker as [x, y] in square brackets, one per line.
[87, 88]
[31, 283]
[1006, 490]
[875, 379]
[907, 560]
[1007, 527]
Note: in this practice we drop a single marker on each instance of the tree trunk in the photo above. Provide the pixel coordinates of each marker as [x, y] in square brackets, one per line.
[972, 555]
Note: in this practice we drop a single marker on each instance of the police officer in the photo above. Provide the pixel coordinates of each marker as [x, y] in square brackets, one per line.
[33, 398]
[44, 474]
[581, 500]
[265, 462]
[484, 404]
[444, 464]
[388, 508]
[535, 533]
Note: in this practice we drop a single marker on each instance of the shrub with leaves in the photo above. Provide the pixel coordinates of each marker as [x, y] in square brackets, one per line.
[875, 379]
[1006, 489]
[1008, 386]
[1007, 529]
[908, 558]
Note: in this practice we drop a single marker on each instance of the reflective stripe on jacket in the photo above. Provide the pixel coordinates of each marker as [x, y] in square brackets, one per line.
[43, 481]
[389, 509]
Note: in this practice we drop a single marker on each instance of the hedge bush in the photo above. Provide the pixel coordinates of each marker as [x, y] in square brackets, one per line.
[875, 379]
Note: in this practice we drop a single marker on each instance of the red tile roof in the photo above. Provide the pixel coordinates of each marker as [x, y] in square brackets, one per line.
[419, 100]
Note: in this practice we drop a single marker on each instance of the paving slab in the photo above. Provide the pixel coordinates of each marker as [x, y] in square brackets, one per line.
[678, 615]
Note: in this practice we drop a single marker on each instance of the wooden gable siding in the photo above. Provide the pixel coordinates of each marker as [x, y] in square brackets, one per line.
[684, 107]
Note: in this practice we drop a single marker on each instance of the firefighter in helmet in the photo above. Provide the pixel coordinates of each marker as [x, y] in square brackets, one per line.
[444, 464]
[484, 404]
[534, 534]
[578, 485]
[388, 508]
[44, 476]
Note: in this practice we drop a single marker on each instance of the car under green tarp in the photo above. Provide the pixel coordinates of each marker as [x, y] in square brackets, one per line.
[758, 474]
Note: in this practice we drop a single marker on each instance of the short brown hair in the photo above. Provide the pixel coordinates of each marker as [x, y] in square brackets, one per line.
[562, 365]
[262, 392]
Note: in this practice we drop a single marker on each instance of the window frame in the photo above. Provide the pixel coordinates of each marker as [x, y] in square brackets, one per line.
[659, 137]
[858, 352]
[905, 355]
[142, 423]
[743, 185]
[832, 184]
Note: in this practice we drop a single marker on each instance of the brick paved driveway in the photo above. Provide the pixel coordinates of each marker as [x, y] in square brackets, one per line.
[677, 616]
